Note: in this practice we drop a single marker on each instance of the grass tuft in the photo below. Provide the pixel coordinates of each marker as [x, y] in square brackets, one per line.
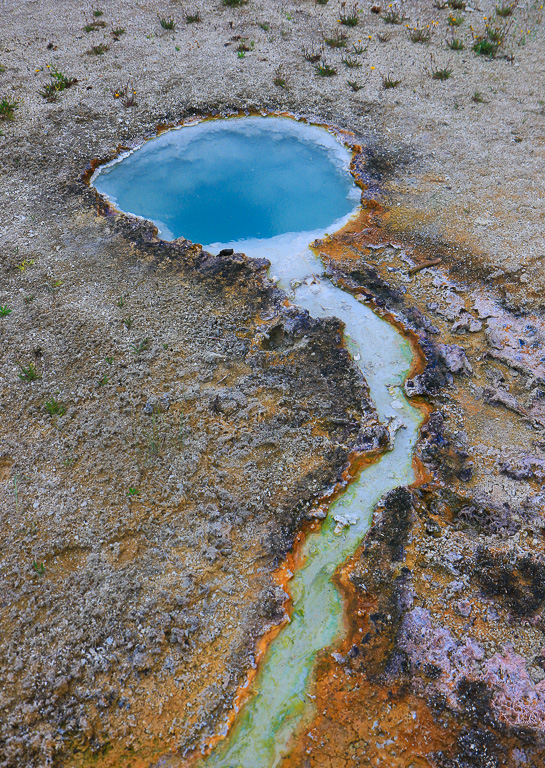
[350, 18]
[455, 44]
[7, 109]
[29, 373]
[280, 77]
[167, 22]
[323, 69]
[420, 34]
[337, 40]
[389, 82]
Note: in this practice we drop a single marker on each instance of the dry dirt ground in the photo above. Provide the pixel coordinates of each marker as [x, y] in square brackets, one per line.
[167, 421]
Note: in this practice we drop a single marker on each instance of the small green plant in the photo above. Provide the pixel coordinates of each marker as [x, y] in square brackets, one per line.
[54, 408]
[141, 346]
[28, 373]
[241, 54]
[354, 85]
[264, 25]
[109, 360]
[117, 32]
[120, 301]
[323, 69]
[455, 44]
[133, 491]
[393, 15]
[24, 265]
[441, 74]
[351, 62]
[234, 3]
[59, 82]
[280, 77]
[97, 14]
[29, 298]
[4, 311]
[127, 322]
[322, 2]
[389, 82]
[350, 18]
[455, 21]
[312, 54]
[420, 34]
[103, 381]
[244, 46]
[39, 568]
[7, 109]
[358, 49]
[127, 96]
[478, 98]
[98, 50]
[457, 5]
[193, 17]
[167, 22]
[336, 40]
[489, 43]
[94, 25]
[506, 9]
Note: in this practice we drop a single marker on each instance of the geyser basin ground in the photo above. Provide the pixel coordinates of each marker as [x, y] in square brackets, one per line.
[270, 186]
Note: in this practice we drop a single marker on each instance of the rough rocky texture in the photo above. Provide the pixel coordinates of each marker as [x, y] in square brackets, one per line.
[139, 536]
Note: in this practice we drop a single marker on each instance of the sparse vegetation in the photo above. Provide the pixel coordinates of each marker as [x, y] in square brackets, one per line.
[455, 21]
[127, 97]
[420, 34]
[127, 322]
[4, 311]
[245, 46]
[280, 77]
[117, 32]
[441, 74]
[54, 408]
[7, 109]
[354, 85]
[336, 40]
[457, 5]
[350, 18]
[490, 41]
[455, 44]
[167, 22]
[59, 82]
[98, 50]
[141, 346]
[313, 55]
[389, 82]
[193, 17]
[478, 98]
[506, 9]
[351, 62]
[234, 3]
[323, 69]
[28, 373]
[393, 15]
[264, 25]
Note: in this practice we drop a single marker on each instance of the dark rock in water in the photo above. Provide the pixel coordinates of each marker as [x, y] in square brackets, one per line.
[226, 252]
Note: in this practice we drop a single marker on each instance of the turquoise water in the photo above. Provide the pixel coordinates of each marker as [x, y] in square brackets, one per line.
[297, 186]
[229, 180]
